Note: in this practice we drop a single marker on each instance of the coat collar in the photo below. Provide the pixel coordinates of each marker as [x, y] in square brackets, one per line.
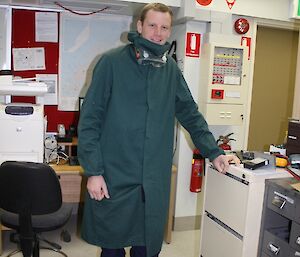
[152, 48]
[148, 52]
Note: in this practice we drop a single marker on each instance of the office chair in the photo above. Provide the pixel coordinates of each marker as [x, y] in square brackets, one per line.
[31, 203]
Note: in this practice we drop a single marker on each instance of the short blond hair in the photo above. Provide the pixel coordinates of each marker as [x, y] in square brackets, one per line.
[158, 7]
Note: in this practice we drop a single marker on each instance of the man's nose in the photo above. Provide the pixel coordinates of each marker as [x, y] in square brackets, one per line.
[158, 31]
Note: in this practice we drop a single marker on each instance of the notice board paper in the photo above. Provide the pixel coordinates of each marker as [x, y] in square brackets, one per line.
[32, 58]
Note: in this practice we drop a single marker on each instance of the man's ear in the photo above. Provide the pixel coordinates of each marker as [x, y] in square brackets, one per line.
[139, 26]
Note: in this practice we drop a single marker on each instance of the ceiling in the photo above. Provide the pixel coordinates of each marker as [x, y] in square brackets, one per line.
[113, 6]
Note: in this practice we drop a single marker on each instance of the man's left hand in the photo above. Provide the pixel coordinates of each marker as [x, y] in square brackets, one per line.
[221, 163]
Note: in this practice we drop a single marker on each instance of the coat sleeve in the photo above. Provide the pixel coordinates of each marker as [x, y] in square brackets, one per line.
[92, 118]
[193, 121]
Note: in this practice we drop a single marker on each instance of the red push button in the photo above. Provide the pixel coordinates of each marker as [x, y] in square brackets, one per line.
[217, 93]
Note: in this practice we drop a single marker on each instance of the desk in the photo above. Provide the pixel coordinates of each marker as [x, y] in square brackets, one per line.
[73, 189]
[72, 182]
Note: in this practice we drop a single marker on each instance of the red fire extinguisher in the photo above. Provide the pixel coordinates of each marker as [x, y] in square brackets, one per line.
[197, 172]
[225, 141]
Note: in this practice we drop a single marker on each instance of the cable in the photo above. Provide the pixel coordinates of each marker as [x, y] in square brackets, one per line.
[173, 48]
[56, 153]
[80, 13]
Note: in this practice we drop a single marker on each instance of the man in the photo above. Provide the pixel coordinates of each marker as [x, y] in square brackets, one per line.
[126, 139]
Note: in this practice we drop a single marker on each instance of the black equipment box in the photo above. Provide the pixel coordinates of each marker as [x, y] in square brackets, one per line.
[293, 139]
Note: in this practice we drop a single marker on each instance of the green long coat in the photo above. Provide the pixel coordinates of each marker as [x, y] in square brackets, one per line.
[126, 132]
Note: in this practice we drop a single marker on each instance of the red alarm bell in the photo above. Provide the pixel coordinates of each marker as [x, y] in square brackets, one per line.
[204, 2]
[241, 26]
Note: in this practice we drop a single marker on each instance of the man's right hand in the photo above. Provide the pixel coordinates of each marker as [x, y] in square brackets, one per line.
[97, 188]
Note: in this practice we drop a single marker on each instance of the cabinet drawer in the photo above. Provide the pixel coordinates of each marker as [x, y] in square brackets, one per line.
[227, 202]
[70, 187]
[281, 202]
[294, 253]
[295, 236]
[297, 214]
[264, 255]
[275, 246]
[217, 241]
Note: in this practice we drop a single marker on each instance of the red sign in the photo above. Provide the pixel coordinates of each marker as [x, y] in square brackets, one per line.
[204, 2]
[246, 41]
[230, 3]
[192, 45]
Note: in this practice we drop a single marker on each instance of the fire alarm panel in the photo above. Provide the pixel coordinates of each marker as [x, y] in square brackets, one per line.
[223, 83]
[228, 64]
[223, 69]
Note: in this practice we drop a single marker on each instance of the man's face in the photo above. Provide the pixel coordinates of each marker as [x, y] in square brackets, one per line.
[156, 27]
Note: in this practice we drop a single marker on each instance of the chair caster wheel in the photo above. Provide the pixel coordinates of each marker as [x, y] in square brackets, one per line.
[65, 236]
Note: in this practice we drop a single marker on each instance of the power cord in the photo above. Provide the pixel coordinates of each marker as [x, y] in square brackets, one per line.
[53, 151]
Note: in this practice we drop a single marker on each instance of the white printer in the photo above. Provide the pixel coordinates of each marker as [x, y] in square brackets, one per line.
[21, 132]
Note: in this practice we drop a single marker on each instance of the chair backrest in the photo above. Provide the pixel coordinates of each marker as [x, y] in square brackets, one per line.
[31, 186]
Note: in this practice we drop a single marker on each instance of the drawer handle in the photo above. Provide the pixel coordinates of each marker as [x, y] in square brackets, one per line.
[273, 248]
[298, 240]
[278, 202]
[292, 137]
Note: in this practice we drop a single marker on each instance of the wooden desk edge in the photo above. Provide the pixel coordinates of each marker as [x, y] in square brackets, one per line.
[66, 168]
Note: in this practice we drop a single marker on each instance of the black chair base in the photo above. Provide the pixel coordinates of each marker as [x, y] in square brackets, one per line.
[14, 237]
[41, 248]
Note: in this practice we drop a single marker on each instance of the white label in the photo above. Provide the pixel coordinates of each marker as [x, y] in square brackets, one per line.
[233, 94]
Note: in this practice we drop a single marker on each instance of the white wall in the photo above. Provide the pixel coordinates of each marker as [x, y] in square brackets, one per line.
[5, 43]
[5, 38]
[186, 201]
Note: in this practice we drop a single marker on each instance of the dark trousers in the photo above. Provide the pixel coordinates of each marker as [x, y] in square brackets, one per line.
[135, 251]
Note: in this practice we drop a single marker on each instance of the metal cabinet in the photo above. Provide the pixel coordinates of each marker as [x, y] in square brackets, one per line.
[280, 229]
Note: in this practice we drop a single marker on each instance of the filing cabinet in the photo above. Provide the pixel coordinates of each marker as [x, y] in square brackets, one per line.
[280, 227]
[232, 211]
